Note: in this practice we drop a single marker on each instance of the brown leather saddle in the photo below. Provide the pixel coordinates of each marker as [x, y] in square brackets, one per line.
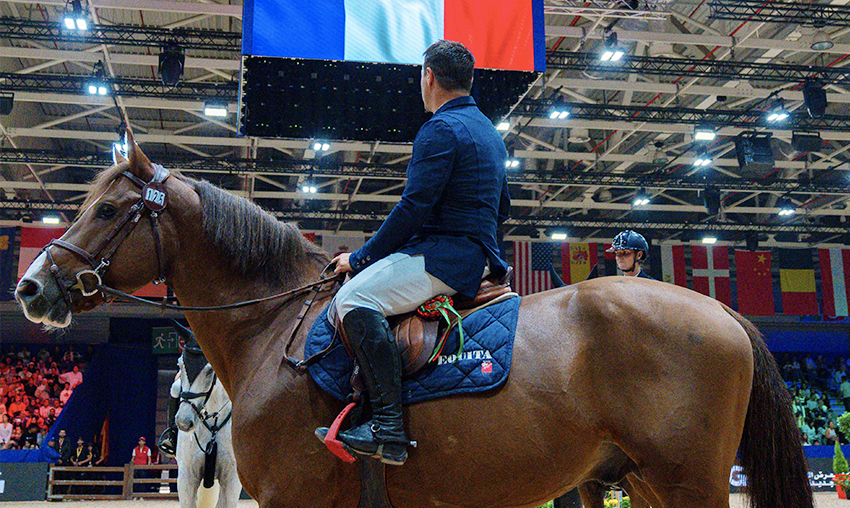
[417, 336]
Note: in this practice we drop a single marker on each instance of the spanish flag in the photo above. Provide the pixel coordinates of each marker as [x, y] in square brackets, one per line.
[577, 259]
[797, 279]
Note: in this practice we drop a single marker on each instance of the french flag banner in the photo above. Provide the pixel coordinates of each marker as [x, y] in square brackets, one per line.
[501, 34]
[835, 278]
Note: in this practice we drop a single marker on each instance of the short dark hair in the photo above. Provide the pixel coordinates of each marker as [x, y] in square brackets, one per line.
[452, 64]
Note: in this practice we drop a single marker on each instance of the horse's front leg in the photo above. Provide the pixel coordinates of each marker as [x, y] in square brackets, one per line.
[187, 488]
[229, 484]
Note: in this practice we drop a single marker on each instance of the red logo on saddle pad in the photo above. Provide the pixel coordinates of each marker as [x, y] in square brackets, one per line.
[486, 367]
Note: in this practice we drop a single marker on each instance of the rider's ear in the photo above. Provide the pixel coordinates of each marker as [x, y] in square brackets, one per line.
[139, 163]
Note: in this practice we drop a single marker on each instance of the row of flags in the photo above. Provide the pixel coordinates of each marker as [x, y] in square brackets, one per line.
[709, 273]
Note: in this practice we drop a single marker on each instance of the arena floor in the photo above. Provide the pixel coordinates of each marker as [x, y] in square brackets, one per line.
[822, 500]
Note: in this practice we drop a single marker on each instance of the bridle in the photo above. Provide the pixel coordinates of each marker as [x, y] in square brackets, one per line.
[152, 201]
[204, 416]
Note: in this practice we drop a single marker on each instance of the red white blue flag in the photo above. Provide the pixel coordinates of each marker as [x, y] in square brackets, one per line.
[532, 266]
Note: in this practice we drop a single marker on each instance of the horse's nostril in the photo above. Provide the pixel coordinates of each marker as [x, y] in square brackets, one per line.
[28, 288]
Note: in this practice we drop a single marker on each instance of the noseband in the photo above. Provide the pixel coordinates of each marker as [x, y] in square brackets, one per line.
[154, 200]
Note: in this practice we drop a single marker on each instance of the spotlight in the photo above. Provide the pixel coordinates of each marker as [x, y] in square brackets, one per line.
[308, 188]
[511, 162]
[711, 200]
[503, 126]
[703, 158]
[704, 133]
[50, 219]
[559, 236]
[75, 17]
[806, 141]
[786, 207]
[97, 84]
[709, 239]
[641, 198]
[659, 156]
[611, 52]
[559, 110]
[171, 62]
[321, 146]
[215, 108]
[777, 113]
[814, 97]
[821, 41]
[7, 101]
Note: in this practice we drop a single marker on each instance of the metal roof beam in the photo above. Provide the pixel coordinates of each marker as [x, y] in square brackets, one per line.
[233, 11]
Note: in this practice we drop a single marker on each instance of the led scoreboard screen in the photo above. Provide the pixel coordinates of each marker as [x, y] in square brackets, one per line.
[349, 69]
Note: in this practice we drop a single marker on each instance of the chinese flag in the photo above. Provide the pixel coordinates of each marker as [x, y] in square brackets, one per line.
[755, 283]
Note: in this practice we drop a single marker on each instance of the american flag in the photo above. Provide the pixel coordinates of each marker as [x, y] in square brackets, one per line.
[532, 262]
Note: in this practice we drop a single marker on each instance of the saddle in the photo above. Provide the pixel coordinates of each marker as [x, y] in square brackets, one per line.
[416, 336]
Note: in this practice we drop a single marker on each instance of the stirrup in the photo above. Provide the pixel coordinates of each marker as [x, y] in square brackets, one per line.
[329, 436]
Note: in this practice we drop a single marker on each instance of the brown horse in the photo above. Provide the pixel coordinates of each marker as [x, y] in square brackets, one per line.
[611, 377]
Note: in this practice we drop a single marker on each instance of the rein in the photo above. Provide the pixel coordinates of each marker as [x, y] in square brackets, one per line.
[205, 416]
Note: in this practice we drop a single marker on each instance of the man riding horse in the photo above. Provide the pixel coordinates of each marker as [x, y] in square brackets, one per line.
[440, 238]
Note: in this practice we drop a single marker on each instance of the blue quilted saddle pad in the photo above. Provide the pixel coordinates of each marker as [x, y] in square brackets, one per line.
[484, 364]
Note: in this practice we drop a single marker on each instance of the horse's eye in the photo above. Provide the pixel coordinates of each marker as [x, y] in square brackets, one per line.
[106, 211]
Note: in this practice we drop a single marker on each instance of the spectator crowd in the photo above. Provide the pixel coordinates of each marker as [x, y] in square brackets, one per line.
[35, 384]
[820, 393]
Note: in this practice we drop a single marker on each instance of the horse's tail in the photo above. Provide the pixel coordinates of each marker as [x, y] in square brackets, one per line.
[771, 451]
[207, 498]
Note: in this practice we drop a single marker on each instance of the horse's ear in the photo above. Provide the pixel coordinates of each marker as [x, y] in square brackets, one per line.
[182, 330]
[117, 156]
[140, 165]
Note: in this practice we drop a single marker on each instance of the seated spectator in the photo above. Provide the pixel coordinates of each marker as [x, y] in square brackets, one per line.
[809, 432]
[44, 409]
[17, 406]
[4, 401]
[42, 392]
[73, 377]
[71, 357]
[66, 394]
[830, 436]
[5, 429]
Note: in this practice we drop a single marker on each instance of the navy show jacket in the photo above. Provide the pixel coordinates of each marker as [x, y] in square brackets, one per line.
[455, 198]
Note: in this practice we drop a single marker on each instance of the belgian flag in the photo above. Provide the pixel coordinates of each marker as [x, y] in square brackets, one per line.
[797, 279]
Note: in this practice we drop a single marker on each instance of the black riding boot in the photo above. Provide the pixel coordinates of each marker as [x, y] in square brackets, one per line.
[168, 440]
[377, 355]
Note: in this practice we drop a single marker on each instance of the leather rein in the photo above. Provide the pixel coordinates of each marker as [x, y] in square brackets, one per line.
[154, 199]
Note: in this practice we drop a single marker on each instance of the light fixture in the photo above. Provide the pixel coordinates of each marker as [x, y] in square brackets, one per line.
[709, 239]
[50, 219]
[777, 113]
[704, 133]
[309, 187]
[806, 141]
[703, 158]
[814, 97]
[96, 84]
[559, 110]
[321, 146]
[821, 41]
[7, 101]
[641, 198]
[786, 207]
[559, 236]
[511, 162]
[171, 62]
[659, 155]
[215, 108]
[503, 126]
[611, 52]
[75, 16]
[711, 200]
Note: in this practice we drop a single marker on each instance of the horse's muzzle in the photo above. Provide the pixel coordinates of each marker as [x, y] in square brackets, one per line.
[41, 299]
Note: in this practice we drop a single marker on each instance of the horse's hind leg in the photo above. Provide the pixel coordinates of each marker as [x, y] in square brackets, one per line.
[592, 494]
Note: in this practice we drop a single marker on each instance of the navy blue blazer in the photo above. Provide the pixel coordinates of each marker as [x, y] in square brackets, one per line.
[455, 198]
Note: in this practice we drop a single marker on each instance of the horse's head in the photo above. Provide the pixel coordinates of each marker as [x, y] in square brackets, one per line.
[197, 382]
[122, 238]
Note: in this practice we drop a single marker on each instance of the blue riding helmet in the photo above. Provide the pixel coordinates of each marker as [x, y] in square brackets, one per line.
[629, 239]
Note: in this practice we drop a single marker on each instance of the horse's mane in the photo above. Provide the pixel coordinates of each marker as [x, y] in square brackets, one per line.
[252, 240]
[256, 243]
